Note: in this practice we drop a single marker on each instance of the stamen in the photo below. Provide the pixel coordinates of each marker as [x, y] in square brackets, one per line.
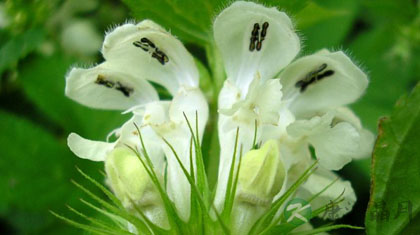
[313, 77]
[255, 30]
[101, 80]
[150, 47]
[264, 30]
[142, 45]
[148, 42]
[160, 56]
[259, 45]
[256, 37]
[125, 90]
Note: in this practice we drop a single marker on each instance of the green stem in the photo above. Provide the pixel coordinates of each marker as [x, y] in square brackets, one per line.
[218, 77]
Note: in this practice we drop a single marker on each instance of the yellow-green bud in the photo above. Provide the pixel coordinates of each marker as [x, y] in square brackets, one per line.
[132, 185]
[261, 175]
[128, 178]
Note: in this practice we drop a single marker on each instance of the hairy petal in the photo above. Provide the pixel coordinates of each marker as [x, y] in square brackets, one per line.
[233, 29]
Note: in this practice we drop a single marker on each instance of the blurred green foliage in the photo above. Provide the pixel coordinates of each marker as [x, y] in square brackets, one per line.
[41, 40]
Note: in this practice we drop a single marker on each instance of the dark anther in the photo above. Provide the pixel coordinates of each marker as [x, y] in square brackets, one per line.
[148, 42]
[264, 29]
[255, 30]
[103, 82]
[125, 90]
[252, 44]
[150, 47]
[256, 37]
[259, 45]
[313, 77]
[143, 46]
[160, 56]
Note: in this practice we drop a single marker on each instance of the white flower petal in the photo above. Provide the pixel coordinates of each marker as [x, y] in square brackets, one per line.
[129, 136]
[261, 104]
[366, 143]
[334, 146]
[367, 138]
[89, 149]
[317, 182]
[227, 134]
[266, 99]
[168, 121]
[178, 186]
[228, 95]
[233, 30]
[104, 88]
[150, 52]
[297, 158]
[339, 82]
[189, 102]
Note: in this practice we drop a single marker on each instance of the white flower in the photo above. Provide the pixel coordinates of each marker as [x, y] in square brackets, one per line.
[135, 55]
[272, 108]
[299, 103]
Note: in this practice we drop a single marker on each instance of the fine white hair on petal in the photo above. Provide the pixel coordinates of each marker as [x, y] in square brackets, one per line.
[148, 51]
[324, 80]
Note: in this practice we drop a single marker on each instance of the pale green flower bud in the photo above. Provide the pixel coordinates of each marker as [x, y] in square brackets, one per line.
[126, 175]
[262, 174]
[261, 177]
[131, 183]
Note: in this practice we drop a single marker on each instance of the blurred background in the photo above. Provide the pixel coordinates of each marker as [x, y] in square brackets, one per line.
[41, 39]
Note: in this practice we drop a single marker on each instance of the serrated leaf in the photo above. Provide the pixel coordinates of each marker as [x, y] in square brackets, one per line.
[395, 169]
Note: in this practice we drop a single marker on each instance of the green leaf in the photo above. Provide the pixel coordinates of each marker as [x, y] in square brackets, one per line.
[190, 19]
[395, 169]
[18, 47]
[389, 76]
[290, 7]
[35, 169]
[314, 13]
[325, 24]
